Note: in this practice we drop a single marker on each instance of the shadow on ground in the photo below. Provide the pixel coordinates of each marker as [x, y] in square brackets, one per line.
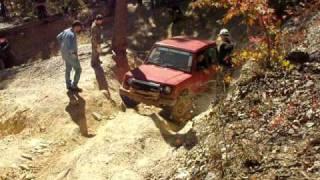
[6, 77]
[77, 111]
[171, 133]
[101, 78]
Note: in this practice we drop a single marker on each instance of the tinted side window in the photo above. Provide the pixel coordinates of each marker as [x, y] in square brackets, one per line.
[212, 55]
[206, 58]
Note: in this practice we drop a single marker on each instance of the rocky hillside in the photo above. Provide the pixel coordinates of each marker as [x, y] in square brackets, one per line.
[267, 127]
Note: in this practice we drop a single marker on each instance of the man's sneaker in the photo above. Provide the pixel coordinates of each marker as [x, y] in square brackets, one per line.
[96, 64]
[76, 89]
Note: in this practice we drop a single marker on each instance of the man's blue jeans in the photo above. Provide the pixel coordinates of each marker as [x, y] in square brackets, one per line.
[72, 63]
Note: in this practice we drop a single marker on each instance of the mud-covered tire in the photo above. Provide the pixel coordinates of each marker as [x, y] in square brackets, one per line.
[129, 103]
[182, 111]
[2, 66]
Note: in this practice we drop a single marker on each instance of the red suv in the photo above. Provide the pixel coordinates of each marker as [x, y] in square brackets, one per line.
[175, 71]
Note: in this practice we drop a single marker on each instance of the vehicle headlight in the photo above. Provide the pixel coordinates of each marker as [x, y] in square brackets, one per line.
[129, 81]
[167, 90]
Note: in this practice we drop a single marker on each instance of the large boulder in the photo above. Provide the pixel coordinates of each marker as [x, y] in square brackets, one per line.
[249, 72]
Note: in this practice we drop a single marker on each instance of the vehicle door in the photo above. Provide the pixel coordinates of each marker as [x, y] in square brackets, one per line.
[205, 68]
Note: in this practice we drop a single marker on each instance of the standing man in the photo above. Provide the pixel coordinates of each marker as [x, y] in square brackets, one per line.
[96, 40]
[69, 51]
[225, 47]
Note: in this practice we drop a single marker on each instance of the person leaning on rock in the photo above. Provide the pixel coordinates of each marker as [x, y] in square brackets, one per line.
[225, 47]
[96, 40]
[69, 51]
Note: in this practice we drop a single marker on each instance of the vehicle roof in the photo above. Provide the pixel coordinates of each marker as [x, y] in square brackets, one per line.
[189, 44]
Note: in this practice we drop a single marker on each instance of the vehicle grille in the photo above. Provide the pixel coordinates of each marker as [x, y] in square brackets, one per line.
[145, 86]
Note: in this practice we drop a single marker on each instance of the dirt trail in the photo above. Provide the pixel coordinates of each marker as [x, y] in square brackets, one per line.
[33, 99]
[124, 148]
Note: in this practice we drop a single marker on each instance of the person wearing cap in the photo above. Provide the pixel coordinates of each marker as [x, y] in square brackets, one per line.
[224, 47]
[96, 40]
[69, 51]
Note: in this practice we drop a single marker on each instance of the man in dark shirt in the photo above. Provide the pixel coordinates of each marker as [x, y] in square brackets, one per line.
[96, 40]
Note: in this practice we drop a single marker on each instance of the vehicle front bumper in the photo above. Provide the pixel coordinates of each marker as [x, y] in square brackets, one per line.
[149, 98]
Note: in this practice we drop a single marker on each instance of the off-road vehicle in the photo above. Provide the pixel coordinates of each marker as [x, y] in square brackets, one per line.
[174, 72]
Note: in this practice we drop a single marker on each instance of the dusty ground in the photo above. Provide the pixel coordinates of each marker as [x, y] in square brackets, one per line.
[36, 107]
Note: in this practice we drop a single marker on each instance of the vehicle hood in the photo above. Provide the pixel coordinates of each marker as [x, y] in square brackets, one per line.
[157, 74]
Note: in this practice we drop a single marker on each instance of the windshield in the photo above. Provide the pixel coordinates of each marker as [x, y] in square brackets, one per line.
[171, 58]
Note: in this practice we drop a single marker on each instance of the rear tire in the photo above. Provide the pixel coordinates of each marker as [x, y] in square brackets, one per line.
[129, 103]
[181, 112]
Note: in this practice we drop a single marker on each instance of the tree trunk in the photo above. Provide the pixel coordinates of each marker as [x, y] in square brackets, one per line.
[119, 39]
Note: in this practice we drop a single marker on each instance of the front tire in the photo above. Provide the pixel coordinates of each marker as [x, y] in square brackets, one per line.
[129, 103]
[181, 112]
